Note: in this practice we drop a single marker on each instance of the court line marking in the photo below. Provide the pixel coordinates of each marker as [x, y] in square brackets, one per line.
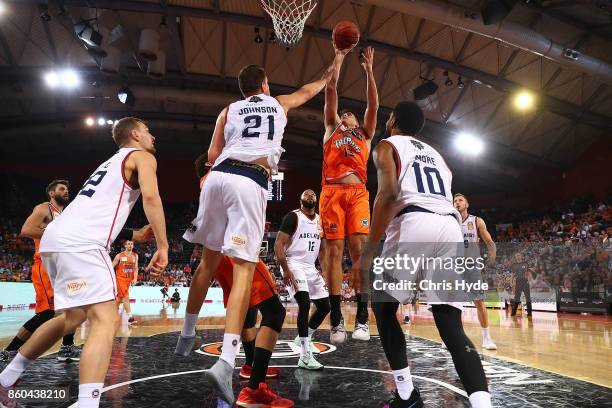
[153, 377]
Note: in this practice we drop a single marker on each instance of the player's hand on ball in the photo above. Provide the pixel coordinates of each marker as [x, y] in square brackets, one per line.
[367, 58]
[158, 263]
[145, 234]
[289, 280]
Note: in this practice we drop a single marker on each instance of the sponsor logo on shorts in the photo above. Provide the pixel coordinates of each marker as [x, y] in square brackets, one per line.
[364, 222]
[75, 287]
[282, 349]
[238, 240]
[333, 228]
[192, 228]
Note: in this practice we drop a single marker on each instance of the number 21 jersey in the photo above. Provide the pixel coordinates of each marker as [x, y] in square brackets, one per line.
[254, 129]
[98, 212]
[423, 177]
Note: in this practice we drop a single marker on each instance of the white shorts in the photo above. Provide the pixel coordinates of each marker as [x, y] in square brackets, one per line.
[308, 279]
[420, 234]
[231, 216]
[80, 278]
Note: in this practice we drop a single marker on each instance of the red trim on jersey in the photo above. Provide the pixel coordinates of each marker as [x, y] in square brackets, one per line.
[115, 217]
[112, 275]
[399, 159]
[52, 207]
[125, 180]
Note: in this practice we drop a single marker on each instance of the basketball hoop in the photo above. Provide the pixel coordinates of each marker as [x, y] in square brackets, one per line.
[288, 17]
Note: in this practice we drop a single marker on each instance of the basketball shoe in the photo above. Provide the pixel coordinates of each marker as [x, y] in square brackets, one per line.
[361, 332]
[414, 401]
[186, 345]
[308, 362]
[69, 353]
[220, 377]
[337, 334]
[488, 344]
[246, 371]
[262, 397]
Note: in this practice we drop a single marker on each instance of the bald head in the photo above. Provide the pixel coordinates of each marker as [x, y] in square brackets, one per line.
[308, 199]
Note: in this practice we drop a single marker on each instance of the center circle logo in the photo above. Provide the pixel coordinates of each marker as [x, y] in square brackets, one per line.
[282, 349]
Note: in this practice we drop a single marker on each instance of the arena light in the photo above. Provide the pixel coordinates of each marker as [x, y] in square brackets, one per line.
[2, 8]
[52, 79]
[109, 122]
[524, 100]
[469, 144]
[70, 79]
[89, 121]
[126, 96]
[101, 121]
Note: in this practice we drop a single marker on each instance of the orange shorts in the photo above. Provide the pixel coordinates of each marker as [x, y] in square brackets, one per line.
[42, 287]
[123, 287]
[263, 287]
[344, 210]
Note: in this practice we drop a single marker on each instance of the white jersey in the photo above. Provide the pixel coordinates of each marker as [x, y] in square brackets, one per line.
[98, 212]
[303, 246]
[253, 130]
[423, 176]
[469, 228]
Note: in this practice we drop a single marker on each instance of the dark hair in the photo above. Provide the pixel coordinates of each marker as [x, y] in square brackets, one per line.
[251, 79]
[200, 165]
[123, 129]
[409, 118]
[346, 110]
[54, 184]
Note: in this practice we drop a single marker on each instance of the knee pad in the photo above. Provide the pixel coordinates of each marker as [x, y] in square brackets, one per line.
[272, 313]
[303, 300]
[251, 319]
[323, 305]
[38, 320]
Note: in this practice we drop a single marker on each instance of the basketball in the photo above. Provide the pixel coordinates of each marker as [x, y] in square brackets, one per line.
[345, 35]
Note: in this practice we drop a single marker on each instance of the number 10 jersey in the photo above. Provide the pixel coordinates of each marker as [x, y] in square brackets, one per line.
[424, 178]
[254, 129]
[98, 212]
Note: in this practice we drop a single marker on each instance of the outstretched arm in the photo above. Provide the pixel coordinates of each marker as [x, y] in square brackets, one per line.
[305, 93]
[331, 94]
[218, 139]
[369, 119]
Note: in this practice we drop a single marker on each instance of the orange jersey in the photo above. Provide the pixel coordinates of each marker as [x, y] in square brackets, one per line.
[55, 212]
[128, 265]
[345, 152]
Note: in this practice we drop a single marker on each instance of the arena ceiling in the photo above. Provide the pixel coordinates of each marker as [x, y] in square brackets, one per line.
[207, 42]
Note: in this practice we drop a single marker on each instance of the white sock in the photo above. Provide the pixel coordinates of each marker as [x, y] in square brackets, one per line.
[13, 370]
[189, 325]
[403, 382]
[311, 332]
[120, 308]
[305, 346]
[89, 395]
[129, 315]
[231, 345]
[485, 333]
[480, 399]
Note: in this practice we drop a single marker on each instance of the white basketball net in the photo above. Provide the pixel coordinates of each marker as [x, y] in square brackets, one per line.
[288, 17]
